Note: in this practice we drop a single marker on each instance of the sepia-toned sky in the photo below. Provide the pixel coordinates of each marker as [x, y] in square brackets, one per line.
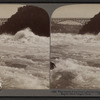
[76, 11]
[6, 10]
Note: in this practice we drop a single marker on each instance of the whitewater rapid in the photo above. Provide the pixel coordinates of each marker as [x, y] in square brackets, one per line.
[24, 61]
[77, 58]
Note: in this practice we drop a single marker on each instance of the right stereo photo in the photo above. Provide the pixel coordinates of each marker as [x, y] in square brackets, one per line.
[75, 47]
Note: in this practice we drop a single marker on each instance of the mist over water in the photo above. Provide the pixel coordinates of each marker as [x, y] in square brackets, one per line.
[77, 59]
[24, 60]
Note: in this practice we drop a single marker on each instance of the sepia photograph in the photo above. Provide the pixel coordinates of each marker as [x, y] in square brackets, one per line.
[24, 47]
[75, 47]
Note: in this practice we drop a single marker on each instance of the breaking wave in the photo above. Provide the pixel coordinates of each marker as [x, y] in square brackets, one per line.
[24, 60]
[24, 36]
[77, 60]
[71, 73]
[15, 78]
[60, 38]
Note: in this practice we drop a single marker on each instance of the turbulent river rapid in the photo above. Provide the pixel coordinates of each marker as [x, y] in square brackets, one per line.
[24, 61]
[77, 60]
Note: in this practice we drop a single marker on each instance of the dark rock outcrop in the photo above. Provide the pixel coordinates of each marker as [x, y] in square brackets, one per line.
[33, 17]
[52, 66]
[93, 26]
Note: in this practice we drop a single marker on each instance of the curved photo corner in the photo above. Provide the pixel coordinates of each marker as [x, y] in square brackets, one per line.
[24, 47]
[75, 46]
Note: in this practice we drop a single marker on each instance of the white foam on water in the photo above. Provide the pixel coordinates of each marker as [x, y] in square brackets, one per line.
[19, 78]
[84, 76]
[24, 48]
[25, 36]
[73, 70]
[63, 38]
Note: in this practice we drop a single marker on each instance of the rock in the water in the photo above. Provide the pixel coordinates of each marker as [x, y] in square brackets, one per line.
[93, 26]
[33, 17]
[0, 85]
[52, 66]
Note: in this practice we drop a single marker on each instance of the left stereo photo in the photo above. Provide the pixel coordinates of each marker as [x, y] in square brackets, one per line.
[24, 47]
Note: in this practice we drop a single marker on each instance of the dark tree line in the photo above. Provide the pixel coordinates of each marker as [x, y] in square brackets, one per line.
[93, 26]
[28, 16]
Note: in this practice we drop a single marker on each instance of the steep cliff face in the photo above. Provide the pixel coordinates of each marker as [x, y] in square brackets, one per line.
[93, 26]
[28, 16]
